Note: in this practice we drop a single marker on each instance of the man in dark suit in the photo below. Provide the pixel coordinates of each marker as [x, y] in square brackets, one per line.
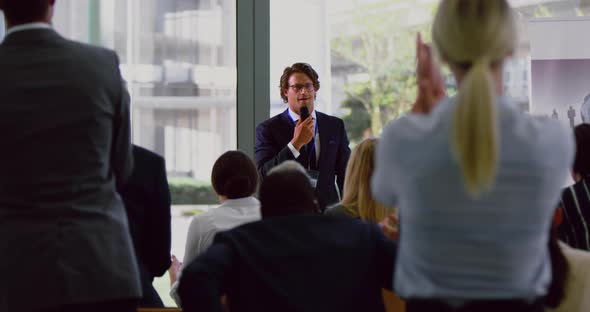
[65, 132]
[319, 143]
[292, 260]
[147, 201]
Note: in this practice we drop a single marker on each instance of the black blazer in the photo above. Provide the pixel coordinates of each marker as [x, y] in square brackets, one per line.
[576, 215]
[273, 135]
[147, 201]
[293, 263]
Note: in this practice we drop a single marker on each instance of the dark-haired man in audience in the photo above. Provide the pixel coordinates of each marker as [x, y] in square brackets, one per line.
[147, 202]
[292, 260]
[319, 143]
[65, 243]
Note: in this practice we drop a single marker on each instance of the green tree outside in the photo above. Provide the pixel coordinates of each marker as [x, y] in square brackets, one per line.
[383, 45]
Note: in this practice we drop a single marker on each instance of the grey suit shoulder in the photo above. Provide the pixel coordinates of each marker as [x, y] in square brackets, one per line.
[65, 119]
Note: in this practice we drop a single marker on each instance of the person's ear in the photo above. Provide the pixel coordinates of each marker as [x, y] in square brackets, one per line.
[317, 206]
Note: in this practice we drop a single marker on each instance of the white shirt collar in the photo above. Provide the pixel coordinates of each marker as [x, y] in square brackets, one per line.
[240, 202]
[295, 116]
[36, 25]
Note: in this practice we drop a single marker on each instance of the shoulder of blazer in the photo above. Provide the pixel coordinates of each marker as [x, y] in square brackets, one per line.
[332, 121]
[141, 154]
[53, 37]
[328, 117]
[280, 119]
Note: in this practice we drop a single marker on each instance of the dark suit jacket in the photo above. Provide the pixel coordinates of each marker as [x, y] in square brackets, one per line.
[147, 201]
[273, 135]
[65, 132]
[576, 215]
[294, 263]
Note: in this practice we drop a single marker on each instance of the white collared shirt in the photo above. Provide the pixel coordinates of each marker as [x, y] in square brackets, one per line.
[203, 227]
[295, 117]
[36, 25]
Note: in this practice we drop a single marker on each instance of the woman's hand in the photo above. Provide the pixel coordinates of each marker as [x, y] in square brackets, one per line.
[389, 227]
[431, 88]
[174, 269]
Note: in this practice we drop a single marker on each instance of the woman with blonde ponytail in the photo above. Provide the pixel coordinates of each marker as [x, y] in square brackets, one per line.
[475, 180]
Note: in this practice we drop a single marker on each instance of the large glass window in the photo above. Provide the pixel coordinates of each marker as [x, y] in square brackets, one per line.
[178, 58]
[364, 53]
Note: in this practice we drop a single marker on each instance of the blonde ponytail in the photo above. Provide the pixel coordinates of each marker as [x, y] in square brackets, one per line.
[474, 131]
[474, 36]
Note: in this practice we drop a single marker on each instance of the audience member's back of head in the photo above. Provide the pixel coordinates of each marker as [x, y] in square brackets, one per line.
[474, 37]
[258, 263]
[25, 11]
[358, 200]
[582, 160]
[287, 191]
[234, 175]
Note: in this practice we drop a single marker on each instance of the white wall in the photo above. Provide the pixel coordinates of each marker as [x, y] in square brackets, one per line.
[299, 33]
[560, 53]
[559, 39]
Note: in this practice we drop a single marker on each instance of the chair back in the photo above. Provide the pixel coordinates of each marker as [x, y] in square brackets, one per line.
[392, 302]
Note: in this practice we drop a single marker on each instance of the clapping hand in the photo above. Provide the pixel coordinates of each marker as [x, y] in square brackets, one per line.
[174, 269]
[389, 226]
[431, 88]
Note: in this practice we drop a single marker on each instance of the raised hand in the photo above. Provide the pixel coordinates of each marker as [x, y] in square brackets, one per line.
[303, 132]
[389, 227]
[174, 269]
[431, 87]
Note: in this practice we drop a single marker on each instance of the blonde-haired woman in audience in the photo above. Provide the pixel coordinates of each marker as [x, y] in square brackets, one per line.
[475, 180]
[358, 202]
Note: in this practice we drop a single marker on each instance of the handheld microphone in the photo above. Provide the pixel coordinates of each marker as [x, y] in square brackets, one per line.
[304, 113]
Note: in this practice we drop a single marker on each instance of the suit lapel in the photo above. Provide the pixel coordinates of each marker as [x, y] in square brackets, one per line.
[324, 131]
[289, 126]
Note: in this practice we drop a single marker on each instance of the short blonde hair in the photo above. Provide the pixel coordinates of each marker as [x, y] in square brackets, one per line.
[358, 200]
[474, 35]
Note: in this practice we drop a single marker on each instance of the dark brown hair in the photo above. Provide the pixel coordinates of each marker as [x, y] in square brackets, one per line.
[234, 175]
[582, 160]
[303, 68]
[285, 193]
[24, 11]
